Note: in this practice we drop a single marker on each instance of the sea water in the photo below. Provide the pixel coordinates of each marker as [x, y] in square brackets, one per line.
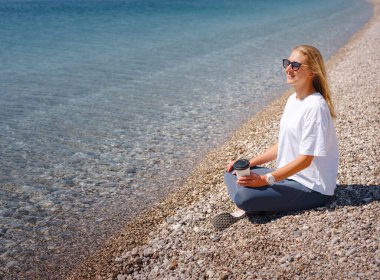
[101, 99]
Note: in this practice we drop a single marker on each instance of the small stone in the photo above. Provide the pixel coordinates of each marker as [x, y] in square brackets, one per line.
[8, 244]
[210, 274]
[138, 261]
[225, 275]
[334, 240]
[339, 253]
[121, 277]
[153, 273]
[32, 220]
[215, 238]
[170, 220]
[342, 260]
[68, 182]
[23, 212]
[298, 256]
[297, 233]
[203, 250]
[177, 241]
[350, 252]
[148, 252]
[176, 227]
[196, 229]
[11, 264]
[131, 170]
[173, 265]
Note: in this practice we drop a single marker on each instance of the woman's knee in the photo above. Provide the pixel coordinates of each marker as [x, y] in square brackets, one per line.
[244, 202]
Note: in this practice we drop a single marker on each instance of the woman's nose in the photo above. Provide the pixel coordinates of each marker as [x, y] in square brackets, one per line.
[288, 68]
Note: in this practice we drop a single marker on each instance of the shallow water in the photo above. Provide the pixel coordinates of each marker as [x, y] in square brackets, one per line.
[106, 105]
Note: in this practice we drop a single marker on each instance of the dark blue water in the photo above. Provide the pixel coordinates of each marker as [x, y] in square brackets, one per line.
[100, 100]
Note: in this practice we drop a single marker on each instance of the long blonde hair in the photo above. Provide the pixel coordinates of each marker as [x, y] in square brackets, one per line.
[314, 62]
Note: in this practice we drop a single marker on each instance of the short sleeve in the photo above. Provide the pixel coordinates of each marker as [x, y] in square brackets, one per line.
[314, 130]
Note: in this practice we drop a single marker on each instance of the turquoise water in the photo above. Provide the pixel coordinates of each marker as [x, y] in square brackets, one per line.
[101, 100]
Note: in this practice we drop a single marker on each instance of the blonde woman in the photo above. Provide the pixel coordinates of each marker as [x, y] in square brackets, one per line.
[306, 151]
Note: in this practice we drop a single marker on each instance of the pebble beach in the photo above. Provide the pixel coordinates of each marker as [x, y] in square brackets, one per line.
[175, 239]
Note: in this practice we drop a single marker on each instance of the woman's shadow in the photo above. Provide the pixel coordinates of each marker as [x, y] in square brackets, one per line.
[345, 195]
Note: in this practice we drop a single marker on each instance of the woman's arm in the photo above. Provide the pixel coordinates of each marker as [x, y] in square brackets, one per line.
[255, 180]
[293, 167]
[269, 155]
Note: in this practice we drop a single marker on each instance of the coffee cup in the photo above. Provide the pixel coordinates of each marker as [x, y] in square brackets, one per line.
[242, 167]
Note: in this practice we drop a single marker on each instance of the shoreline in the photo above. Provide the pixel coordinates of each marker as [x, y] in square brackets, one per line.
[203, 195]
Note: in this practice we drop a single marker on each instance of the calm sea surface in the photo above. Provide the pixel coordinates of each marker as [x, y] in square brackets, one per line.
[105, 106]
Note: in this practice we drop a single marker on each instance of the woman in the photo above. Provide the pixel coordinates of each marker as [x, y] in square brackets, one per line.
[306, 152]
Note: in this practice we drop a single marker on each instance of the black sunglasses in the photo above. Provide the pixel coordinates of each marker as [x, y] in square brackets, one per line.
[295, 65]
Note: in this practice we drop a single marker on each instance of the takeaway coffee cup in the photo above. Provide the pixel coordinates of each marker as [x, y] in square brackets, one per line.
[241, 167]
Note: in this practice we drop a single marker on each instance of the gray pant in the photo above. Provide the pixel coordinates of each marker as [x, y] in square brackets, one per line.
[283, 196]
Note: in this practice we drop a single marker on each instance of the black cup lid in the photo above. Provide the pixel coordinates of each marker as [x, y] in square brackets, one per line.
[241, 164]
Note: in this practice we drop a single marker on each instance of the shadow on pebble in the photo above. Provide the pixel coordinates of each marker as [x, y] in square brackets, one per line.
[345, 195]
[354, 195]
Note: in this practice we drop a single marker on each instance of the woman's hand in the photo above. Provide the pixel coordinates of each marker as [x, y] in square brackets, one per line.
[253, 180]
[230, 166]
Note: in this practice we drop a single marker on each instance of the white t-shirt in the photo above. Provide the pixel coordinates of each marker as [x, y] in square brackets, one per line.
[306, 128]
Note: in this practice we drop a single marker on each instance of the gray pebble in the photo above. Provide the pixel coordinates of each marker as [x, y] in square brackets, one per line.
[11, 264]
[350, 252]
[297, 233]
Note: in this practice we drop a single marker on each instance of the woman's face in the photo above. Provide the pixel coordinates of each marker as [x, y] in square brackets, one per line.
[303, 75]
